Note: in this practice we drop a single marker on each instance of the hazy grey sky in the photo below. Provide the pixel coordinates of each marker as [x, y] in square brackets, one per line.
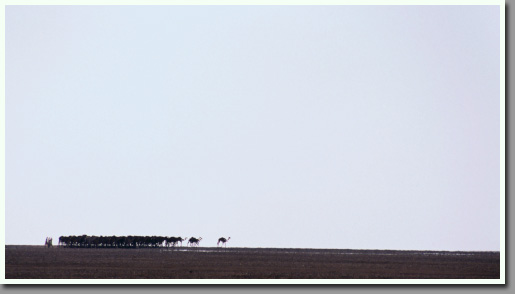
[281, 126]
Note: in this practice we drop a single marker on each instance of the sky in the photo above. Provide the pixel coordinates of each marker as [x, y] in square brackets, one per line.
[353, 127]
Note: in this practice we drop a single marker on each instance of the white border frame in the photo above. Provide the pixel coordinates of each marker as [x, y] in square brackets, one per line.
[502, 158]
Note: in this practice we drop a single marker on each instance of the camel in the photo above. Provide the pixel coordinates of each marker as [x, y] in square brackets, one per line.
[223, 240]
[179, 239]
[174, 240]
[194, 241]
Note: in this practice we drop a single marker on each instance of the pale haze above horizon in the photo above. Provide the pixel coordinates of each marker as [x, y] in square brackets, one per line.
[360, 127]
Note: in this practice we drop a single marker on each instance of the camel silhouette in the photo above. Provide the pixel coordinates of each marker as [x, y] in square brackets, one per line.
[223, 241]
[194, 241]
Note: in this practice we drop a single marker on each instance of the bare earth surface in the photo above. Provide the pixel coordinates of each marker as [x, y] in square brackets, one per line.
[38, 262]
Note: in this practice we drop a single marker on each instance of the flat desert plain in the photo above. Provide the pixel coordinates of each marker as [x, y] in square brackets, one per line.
[39, 262]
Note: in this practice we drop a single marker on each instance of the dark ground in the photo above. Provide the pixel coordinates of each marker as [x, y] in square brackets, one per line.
[38, 262]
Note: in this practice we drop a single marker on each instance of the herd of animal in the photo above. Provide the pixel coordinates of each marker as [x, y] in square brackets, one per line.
[85, 241]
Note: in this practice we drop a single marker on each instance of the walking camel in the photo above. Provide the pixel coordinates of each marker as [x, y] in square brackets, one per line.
[223, 241]
[179, 239]
[174, 241]
[194, 241]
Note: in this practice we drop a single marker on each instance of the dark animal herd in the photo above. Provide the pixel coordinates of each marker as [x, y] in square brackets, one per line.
[86, 241]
